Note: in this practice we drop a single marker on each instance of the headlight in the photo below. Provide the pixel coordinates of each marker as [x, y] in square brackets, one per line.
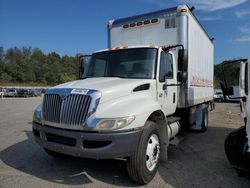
[37, 116]
[113, 124]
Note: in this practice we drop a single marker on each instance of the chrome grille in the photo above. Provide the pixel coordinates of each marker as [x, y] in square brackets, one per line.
[69, 110]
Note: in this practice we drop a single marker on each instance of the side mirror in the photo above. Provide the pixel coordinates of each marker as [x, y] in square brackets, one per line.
[226, 91]
[182, 60]
[81, 66]
[181, 76]
[182, 65]
[83, 62]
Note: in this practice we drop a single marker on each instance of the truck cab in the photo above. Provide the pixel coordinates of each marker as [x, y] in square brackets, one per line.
[152, 64]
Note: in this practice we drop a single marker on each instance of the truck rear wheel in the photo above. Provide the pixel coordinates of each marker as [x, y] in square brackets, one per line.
[142, 166]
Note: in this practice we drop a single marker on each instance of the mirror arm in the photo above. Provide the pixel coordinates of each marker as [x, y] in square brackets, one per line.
[225, 81]
[175, 84]
[167, 48]
[236, 97]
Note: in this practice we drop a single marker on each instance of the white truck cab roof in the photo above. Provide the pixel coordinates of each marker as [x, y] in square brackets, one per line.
[127, 47]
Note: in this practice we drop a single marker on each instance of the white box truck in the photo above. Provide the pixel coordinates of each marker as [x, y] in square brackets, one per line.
[155, 78]
[237, 142]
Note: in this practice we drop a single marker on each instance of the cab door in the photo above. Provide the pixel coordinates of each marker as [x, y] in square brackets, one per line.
[167, 82]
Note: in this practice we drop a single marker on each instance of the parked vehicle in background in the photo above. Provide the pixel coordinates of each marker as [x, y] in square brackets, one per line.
[135, 96]
[43, 90]
[1, 92]
[23, 92]
[11, 93]
[218, 96]
[35, 92]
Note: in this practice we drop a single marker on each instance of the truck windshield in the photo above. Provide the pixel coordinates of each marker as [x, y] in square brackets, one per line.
[125, 63]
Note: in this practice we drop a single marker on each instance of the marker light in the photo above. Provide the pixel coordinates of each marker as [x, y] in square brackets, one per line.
[132, 25]
[125, 26]
[183, 10]
[139, 23]
[155, 20]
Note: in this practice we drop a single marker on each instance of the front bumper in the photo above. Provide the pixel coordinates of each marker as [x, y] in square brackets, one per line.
[87, 144]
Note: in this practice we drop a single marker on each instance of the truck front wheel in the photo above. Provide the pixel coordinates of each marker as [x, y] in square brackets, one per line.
[142, 166]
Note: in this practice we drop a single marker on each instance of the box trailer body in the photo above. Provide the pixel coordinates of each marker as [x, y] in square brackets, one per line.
[172, 27]
[155, 77]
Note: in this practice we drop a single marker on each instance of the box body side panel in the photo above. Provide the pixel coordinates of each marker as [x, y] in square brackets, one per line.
[200, 64]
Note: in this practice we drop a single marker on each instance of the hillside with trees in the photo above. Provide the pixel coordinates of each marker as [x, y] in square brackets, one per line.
[231, 72]
[33, 67]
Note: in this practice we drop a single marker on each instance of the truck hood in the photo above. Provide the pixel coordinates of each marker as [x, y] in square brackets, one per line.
[110, 87]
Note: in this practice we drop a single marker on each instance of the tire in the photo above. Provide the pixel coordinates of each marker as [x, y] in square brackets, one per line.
[55, 154]
[142, 166]
[204, 124]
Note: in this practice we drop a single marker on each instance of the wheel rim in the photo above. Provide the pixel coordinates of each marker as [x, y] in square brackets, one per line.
[152, 152]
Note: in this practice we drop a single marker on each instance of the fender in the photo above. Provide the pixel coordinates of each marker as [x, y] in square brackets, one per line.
[139, 104]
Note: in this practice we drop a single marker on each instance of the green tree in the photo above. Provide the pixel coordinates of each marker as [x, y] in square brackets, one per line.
[27, 65]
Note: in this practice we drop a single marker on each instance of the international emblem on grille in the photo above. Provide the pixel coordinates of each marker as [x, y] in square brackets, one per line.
[63, 96]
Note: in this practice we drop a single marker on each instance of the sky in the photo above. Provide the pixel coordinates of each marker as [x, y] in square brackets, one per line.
[69, 27]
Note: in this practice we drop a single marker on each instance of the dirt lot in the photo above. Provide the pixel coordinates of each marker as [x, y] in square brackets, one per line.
[198, 161]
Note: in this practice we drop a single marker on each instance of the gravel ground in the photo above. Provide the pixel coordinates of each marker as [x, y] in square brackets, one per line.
[198, 161]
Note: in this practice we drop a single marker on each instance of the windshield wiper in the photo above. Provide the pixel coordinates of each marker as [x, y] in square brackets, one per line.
[85, 77]
[119, 76]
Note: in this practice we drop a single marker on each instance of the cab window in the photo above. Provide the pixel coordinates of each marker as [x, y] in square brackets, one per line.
[166, 67]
